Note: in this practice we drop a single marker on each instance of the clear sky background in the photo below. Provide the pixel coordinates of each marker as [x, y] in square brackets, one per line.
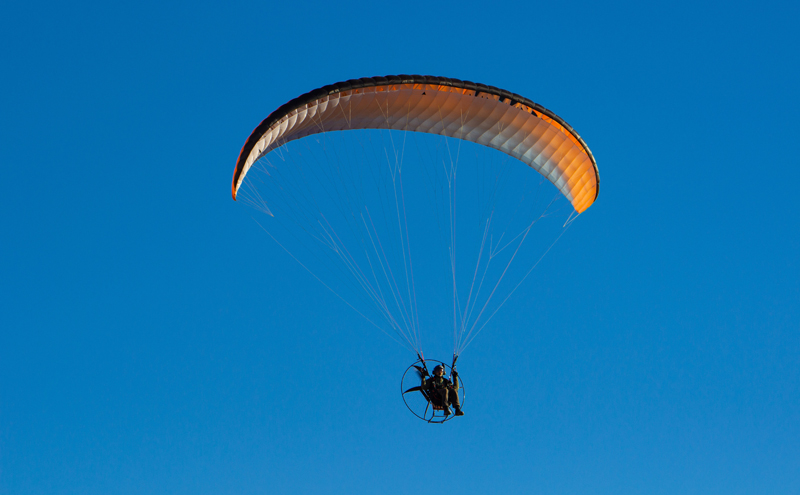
[152, 340]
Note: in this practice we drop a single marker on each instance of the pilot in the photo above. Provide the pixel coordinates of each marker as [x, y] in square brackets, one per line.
[442, 391]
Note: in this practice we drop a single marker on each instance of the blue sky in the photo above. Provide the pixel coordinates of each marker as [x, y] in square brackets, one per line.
[153, 341]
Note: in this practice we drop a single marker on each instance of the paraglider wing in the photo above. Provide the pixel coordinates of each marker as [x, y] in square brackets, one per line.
[458, 109]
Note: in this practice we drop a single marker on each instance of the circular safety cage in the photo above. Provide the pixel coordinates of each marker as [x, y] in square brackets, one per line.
[420, 402]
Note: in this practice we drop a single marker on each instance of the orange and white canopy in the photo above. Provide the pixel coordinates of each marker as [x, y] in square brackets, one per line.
[474, 112]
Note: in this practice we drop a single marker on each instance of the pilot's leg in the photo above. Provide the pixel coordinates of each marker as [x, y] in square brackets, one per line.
[454, 400]
[445, 393]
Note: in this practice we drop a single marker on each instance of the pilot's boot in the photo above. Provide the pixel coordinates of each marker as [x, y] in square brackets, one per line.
[459, 412]
[447, 411]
